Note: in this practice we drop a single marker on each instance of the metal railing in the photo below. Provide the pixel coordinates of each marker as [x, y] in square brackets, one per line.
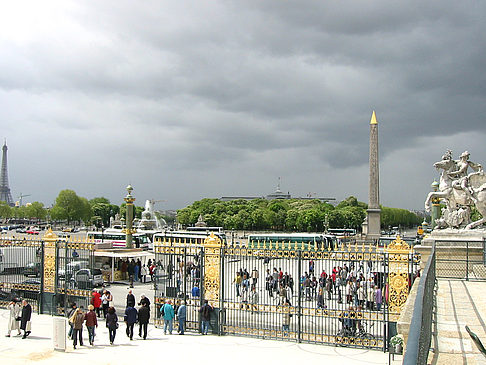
[463, 259]
[420, 335]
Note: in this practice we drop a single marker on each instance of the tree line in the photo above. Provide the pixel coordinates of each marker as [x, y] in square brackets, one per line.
[289, 215]
[71, 208]
[258, 214]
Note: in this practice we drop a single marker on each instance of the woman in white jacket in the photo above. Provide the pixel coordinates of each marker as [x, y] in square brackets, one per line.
[15, 309]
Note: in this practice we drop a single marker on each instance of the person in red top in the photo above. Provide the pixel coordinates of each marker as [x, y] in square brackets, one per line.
[96, 302]
[91, 323]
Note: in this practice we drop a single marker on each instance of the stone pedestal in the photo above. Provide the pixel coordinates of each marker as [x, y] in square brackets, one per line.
[459, 252]
[455, 237]
[373, 228]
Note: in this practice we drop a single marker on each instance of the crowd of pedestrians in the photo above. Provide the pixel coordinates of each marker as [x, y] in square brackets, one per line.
[351, 286]
[347, 284]
[132, 315]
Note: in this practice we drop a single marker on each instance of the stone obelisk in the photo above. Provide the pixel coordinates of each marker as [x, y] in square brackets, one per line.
[374, 225]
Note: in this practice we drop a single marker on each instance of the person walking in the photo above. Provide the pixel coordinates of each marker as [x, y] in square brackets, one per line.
[111, 323]
[106, 298]
[286, 318]
[254, 297]
[25, 323]
[195, 292]
[71, 325]
[378, 298]
[91, 323]
[143, 273]
[144, 299]
[205, 311]
[254, 276]
[130, 319]
[13, 324]
[168, 312]
[143, 319]
[130, 299]
[77, 320]
[136, 271]
[320, 299]
[131, 271]
[181, 316]
[237, 281]
[96, 302]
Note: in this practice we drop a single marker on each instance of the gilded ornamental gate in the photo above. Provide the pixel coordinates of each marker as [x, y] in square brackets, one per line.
[344, 296]
[45, 271]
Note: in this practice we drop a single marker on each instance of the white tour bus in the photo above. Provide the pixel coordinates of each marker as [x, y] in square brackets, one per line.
[185, 237]
[117, 238]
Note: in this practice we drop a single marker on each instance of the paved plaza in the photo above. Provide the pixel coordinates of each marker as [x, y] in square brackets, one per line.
[459, 303]
[190, 348]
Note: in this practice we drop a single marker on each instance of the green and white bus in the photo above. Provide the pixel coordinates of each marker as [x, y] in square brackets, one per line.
[292, 241]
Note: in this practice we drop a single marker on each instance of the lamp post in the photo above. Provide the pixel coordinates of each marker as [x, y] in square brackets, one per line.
[435, 213]
[129, 199]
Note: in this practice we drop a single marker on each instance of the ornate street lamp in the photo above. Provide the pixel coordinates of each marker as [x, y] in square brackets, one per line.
[129, 199]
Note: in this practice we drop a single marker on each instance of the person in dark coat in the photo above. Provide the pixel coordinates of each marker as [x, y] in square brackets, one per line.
[71, 325]
[131, 316]
[25, 323]
[77, 319]
[143, 319]
[91, 323]
[205, 311]
[144, 299]
[181, 316]
[111, 323]
[130, 299]
[131, 271]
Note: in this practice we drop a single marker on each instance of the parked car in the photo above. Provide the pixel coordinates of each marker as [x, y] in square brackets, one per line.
[32, 231]
[30, 294]
[33, 269]
[21, 230]
[87, 279]
[72, 267]
[7, 296]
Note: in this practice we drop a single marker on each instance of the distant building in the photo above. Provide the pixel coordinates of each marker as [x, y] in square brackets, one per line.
[278, 194]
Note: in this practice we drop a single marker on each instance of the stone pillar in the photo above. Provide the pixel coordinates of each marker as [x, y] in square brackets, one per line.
[374, 211]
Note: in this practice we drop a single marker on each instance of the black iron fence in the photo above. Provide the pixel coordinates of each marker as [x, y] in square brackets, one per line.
[21, 262]
[317, 296]
[178, 277]
[334, 296]
[50, 274]
[420, 335]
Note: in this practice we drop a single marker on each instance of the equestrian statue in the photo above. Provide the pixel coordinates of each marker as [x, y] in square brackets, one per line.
[460, 190]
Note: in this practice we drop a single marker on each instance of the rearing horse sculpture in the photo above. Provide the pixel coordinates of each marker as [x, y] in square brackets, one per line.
[456, 197]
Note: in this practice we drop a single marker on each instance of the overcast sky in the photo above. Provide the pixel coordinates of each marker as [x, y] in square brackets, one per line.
[194, 99]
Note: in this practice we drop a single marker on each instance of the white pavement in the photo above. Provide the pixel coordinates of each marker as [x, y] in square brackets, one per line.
[158, 348]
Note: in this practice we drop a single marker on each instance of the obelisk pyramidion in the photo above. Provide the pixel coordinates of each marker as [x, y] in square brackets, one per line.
[374, 225]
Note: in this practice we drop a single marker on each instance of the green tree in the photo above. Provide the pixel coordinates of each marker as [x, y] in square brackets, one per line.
[5, 210]
[69, 206]
[36, 210]
[86, 212]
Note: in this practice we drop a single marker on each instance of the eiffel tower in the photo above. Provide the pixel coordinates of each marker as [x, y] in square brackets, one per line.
[5, 194]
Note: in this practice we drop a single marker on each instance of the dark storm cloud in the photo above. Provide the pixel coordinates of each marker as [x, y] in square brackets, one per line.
[189, 99]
